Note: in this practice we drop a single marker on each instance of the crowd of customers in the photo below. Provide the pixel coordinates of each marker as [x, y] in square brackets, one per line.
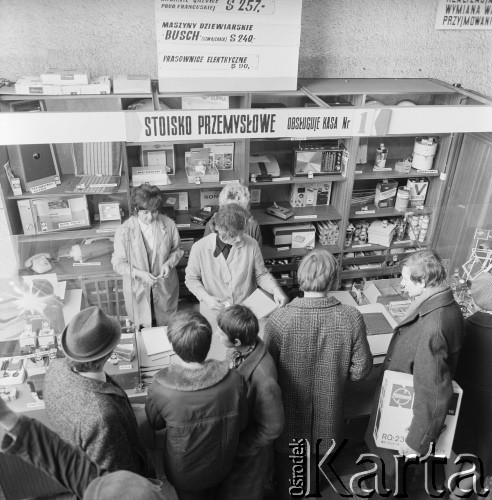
[229, 425]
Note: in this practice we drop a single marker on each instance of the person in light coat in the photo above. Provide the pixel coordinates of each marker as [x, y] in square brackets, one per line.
[146, 252]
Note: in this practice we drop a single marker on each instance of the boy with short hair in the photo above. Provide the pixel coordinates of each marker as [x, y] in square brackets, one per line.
[202, 404]
[238, 329]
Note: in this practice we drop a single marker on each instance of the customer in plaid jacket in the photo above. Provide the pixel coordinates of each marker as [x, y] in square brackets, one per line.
[318, 344]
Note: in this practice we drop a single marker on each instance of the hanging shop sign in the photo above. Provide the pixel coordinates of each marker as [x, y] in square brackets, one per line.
[464, 15]
[235, 124]
[227, 45]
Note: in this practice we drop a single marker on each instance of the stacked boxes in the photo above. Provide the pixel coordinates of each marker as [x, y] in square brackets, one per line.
[327, 232]
[381, 233]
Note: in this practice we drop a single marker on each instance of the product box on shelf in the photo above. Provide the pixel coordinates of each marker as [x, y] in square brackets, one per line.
[34, 85]
[282, 235]
[199, 166]
[385, 194]
[223, 154]
[327, 232]
[43, 215]
[304, 239]
[418, 191]
[101, 85]
[155, 176]
[395, 413]
[264, 166]
[179, 200]
[209, 197]
[381, 233]
[305, 195]
[62, 76]
[204, 214]
[131, 84]
[158, 154]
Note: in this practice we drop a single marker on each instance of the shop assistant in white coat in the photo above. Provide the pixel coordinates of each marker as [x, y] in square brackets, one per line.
[146, 252]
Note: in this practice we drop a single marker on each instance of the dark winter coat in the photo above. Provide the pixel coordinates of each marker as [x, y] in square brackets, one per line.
[425, 344]
[204, 411]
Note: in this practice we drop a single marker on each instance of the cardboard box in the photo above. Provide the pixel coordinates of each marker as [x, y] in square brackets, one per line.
[131, 84]
[223, 154]
[379, 326]
[282, 235]
[61, 76]
[385, 194]
[380, 233]
[383, 291]
[179, 200]
[418, 191]
[205, 102]
[209, 197]
[303, 239]
[199, 164]
[34, 85]
[395, 413]
[100, 85]
[155, 176]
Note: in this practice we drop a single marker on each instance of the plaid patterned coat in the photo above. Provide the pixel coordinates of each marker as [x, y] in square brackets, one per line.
[317, 345]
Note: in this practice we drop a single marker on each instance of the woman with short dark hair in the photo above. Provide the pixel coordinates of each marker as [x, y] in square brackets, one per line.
[146, 252]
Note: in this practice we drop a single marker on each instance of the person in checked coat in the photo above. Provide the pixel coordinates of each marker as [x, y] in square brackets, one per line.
[317, 344]
[146, 252]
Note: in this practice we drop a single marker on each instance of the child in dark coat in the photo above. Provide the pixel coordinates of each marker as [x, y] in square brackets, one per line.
[202, 404]
[238, 330]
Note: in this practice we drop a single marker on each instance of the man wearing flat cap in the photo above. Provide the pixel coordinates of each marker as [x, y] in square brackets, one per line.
[85, 406]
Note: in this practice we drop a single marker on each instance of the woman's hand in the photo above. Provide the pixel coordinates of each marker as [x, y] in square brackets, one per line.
[146, 277]
[279, 297]
[164, 271]
[214, 303]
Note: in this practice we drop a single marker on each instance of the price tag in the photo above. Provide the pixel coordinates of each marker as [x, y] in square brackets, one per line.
[265, 7]
[361, 245]
[233, 181]
[85, 264]
[364, 212]
[127, 336]
[183, 225]
[280, 249]
[42, 187]
[39, 404]
[277, 179]
[197, 180]
[298, 138]
[109, 230]
[358, 171]
[310, 175]
[126, 367]
[431, 171]
[310, 216]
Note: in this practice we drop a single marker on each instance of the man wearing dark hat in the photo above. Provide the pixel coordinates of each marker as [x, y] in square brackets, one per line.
[39, 446]
[86, 407]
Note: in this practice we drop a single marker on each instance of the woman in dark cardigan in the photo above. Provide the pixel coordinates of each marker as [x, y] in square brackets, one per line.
[474, 375]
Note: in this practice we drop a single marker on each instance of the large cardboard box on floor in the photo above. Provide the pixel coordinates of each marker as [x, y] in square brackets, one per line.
[395, 413]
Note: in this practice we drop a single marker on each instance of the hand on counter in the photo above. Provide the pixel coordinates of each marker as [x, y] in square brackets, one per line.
[279, 297]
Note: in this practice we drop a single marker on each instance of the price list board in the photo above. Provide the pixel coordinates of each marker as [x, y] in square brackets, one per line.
[227, 45]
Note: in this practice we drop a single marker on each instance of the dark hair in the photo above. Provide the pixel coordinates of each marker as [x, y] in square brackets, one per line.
[239, 322]
[425, 266]
[230, 219]
[190, 335]
[146, 197]
[89, 366]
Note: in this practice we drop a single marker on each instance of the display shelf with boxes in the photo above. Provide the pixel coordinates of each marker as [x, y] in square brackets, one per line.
[403, 125]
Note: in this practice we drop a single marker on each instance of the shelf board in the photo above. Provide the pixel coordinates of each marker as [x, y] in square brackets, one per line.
[179, 181]
[367, 259]
[385, 213]
[67, 180]
[365, 171]
[286, 178]
[322, 212]
[271, 252]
